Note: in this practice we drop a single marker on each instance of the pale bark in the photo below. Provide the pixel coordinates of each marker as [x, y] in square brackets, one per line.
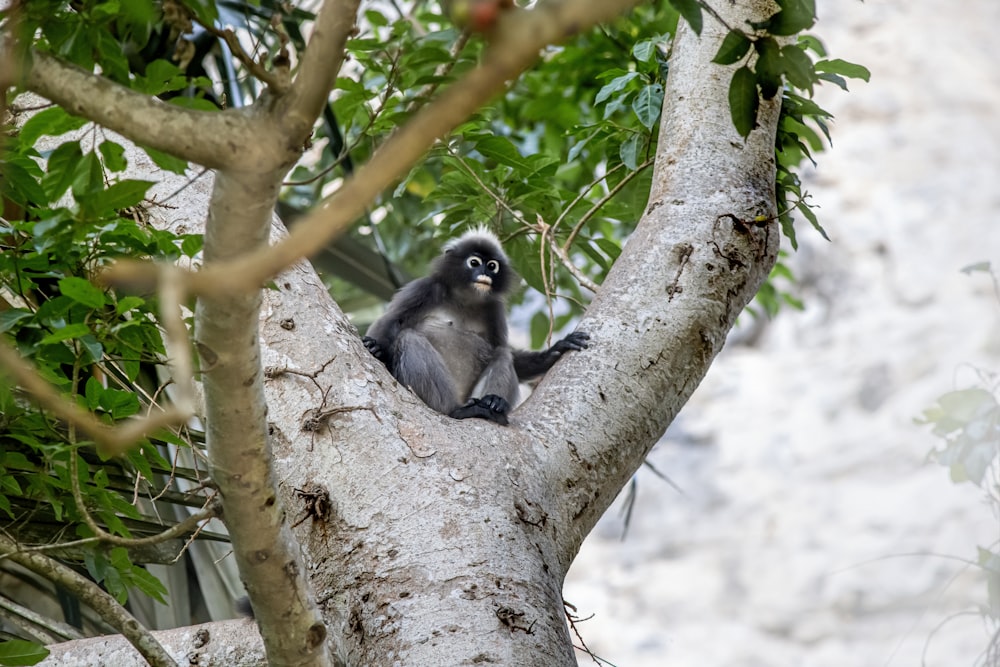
[447, 541]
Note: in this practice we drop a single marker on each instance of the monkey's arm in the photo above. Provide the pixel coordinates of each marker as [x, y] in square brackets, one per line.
[412, 301]
[530, 365]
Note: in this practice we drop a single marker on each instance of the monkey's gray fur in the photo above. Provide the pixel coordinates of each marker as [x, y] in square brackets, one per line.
[445, 336]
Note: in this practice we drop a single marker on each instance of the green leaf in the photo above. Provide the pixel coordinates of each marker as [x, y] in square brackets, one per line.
[648, 103]
[798, 67]
[769, 68]
[629, 152]
[503, 151]
[743, 100]
[8, 318]
[82, 291]
[614, 86]
[54, 121]
[844, 68]
[127, 303]
[971, 268]
[794, 16]
[644, 50]
[21, 653]
[19, 184]
[67, 332]
[807, 211]
[835, 79]
[609, 247]
[691, 11]
[734, 46]
[539, 329]
[122, 194]
[61, 169]
[148, 584]
[192, 244]
[89, 178]
[166, 161]
[114, 156]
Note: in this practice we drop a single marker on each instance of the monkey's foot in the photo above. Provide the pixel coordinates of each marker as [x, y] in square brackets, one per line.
[491, 407]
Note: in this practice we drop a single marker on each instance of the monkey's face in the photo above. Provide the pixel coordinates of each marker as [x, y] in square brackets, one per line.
[474, 268]
[483, 273]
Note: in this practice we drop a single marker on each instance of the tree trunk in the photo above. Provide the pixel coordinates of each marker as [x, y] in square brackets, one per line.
[436, 541]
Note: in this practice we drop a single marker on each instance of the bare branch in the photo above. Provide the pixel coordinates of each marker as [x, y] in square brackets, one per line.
[175, 338]
[319, 68]
[198, 136]
[91, 594]
[276, 82]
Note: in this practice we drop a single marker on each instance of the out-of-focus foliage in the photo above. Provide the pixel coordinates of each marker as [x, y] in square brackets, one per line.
[967, 421]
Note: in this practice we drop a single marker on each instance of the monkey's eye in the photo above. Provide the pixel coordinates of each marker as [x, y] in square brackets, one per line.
[493, 266]
[474, 262]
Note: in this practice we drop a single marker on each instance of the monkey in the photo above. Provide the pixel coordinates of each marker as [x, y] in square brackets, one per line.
[445, 335]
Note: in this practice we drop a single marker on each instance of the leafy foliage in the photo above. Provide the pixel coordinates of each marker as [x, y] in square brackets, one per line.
[563, 155]
[60, 224]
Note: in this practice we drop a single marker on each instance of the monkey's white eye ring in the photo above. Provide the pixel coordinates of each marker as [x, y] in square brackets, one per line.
[493, 266]
[473, 262]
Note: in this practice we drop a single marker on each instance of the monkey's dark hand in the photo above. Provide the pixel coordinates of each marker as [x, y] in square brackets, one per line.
[376, 350]
[491, 407]
[578, 340]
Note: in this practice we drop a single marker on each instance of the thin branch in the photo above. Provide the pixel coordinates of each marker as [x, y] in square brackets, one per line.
[519, 38]
[563, 255]
[277, 82]
[92, 595]
[41, 629]
[442, 70]
[175, 338]
[583, 193]
[211, 510]
[601, 202]
[708, 8]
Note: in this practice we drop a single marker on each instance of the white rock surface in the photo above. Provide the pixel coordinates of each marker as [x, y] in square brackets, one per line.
[812, 532]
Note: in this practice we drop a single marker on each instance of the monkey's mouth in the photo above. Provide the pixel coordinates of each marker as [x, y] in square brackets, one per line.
[483, 284]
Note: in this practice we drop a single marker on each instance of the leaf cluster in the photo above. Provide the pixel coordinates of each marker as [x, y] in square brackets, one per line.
[66, 214]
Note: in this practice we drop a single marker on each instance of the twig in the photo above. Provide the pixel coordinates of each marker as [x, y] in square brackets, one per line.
[601, 202]
[278, 83]
[211, 510]
[175, 338]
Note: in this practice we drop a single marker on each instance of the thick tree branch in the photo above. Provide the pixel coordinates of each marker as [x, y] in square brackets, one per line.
[318, 71]
[237, 434]
[202, 137]
[92, 595]
[666, 306]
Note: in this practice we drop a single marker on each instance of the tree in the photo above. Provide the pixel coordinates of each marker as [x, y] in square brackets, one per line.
[424, 540]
